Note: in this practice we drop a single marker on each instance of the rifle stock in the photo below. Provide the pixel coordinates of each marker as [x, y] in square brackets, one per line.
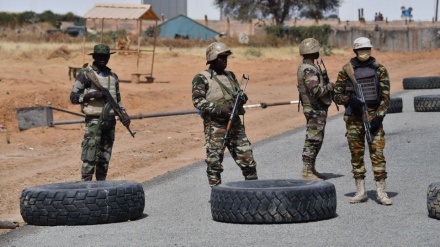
[109, 99]
[234, 110]
[348, 68]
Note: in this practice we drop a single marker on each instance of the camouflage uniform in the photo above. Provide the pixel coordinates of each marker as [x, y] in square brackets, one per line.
[315, 98]
[100, 121]
[354, 124]
[215, 126]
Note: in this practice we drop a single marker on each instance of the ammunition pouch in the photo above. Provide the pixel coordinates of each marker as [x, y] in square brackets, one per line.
[91, 150]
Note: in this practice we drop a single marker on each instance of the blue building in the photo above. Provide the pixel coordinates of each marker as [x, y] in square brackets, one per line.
[185, 27]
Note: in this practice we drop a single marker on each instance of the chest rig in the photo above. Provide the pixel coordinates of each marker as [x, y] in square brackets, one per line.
[369, 82]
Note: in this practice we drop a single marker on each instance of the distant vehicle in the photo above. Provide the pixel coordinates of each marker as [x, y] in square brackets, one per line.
[52, 31]
[75, 31]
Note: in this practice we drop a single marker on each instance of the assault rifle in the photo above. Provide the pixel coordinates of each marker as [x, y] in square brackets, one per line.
[348, 68]
[326, 79]
[240, 94]
[109, 99]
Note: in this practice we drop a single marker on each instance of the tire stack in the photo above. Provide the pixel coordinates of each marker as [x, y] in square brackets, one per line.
[424, 103]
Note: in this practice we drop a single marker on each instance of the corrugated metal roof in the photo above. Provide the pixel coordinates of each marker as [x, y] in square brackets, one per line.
[121, 11]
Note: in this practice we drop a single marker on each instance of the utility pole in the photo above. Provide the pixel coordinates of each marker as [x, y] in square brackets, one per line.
[436, 10]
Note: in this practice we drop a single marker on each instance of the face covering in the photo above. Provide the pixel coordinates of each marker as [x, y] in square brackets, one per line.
[363, 55]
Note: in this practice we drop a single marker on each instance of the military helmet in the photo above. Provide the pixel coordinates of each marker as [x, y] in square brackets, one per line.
[216, 49]
[308, 46]
[361, 42]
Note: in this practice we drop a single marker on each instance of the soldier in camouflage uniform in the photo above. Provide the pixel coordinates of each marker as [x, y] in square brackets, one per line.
[375, 83]
[316, 97]
[213, 93]
[100, 120]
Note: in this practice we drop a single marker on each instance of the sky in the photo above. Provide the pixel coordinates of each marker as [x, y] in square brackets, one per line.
[423, 10]
[197, 9]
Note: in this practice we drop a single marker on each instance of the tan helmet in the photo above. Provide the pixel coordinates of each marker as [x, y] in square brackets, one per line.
[361, 42]
[215, 49]
[309, 46]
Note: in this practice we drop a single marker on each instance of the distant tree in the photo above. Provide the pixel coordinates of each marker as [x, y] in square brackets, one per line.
[279, 10]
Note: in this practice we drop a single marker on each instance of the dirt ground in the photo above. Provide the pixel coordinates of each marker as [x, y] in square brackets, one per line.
[45, 155]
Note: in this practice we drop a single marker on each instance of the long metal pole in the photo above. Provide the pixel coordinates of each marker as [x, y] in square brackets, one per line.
[436, 11]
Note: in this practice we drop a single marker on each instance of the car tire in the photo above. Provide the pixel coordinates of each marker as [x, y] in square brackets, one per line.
[428, 82]
[427, 103]
[434, 200]
[82, 203]
[273, 201]
[396, 105]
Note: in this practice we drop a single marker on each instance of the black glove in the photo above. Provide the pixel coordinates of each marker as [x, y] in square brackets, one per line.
[126, 122]
[225, 111]
[375, 124]
[355, 103]
[243, 99]
[91, 95]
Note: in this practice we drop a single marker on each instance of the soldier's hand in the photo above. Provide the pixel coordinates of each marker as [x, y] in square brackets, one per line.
[92, 95]
[226, 111]
[330, 86]
[126, 122]
[244, 99]
[376, 123]
[354, 102]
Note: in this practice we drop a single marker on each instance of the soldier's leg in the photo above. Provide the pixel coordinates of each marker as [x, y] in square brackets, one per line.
[376, 155]
[87, 171]
[315, 127]
[213, 140]
[241, 151]
[90, 145]
[356, 143]
[107, 140]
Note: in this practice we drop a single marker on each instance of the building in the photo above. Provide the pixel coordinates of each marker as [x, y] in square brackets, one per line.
[185, 28]
[168, 9]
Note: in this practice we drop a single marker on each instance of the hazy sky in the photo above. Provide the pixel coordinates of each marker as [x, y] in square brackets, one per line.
[423, 10]
[197, 9]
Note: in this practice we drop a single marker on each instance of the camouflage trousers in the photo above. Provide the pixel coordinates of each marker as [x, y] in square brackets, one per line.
[316, 121]
[356, 142]
[96, 149]
[237, 144]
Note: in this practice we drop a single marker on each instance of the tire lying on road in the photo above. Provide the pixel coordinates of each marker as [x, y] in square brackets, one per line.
[427, 103]
[428, 82]
[273, 201]
[434, 200]
[396, 105]
[82, 203]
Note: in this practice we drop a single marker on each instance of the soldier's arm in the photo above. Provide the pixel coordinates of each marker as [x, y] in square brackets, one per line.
[384, 84]
[311, 80]
[339, 90]
[199, 89]
[77, 93]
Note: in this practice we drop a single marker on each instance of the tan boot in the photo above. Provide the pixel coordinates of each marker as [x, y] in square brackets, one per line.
[381, 194]
[307, 172]
[319, 175]
[361, 193]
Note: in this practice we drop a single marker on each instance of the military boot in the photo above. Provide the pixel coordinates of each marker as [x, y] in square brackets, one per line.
[361, 193]
[319, 175]
[307, 172]
[382, 196]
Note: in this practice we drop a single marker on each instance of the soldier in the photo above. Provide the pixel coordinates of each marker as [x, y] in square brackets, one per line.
[100, 121]
[375, 83]
[315, 96]
[213, 93]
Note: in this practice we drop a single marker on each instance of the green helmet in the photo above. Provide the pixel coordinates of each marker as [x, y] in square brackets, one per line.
[216, 49]
[308, 46]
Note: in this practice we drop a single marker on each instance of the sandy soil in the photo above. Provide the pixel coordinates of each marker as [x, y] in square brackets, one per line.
[45, 155]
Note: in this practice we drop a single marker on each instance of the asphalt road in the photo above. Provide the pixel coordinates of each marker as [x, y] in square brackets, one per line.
[177, 211]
